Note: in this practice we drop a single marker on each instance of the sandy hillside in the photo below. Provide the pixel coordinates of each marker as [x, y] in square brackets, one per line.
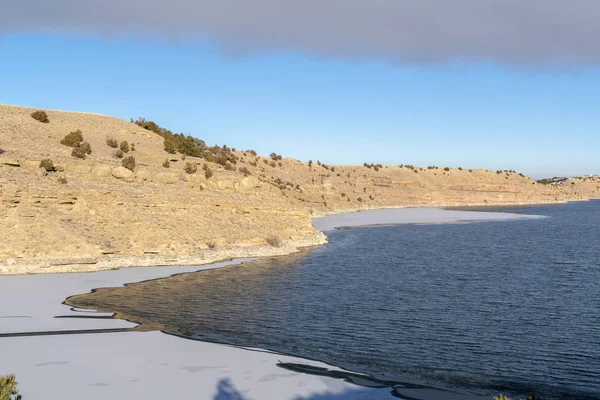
[104, 211]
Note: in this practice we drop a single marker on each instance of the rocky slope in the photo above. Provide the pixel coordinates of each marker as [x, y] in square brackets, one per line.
[87, 214]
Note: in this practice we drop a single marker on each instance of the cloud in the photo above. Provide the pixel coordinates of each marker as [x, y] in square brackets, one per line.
[534, 32]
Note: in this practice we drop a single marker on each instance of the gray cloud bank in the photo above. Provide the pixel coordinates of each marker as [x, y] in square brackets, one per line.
[535, 32]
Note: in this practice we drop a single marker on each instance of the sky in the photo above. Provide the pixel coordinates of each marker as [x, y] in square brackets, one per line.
[478, 84]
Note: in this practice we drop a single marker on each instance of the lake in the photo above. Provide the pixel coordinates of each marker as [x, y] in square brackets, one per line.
[507, 307]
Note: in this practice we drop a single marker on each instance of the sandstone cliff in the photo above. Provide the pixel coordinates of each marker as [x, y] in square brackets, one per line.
[91, 213]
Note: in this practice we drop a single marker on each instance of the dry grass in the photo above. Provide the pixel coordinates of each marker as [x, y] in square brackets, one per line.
[8, 388]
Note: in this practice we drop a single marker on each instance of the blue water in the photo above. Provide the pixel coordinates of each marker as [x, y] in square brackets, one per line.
[511, 307]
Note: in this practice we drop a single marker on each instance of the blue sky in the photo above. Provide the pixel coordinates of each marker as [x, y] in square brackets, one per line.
[539, 120]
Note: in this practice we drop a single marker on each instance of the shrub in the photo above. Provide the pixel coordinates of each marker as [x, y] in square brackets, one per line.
[132, 147]
[167, 163]
[191, 168]
[252, 152]
[245, 171]
[187, 145]
[446, 169]
[170, 146]
[221, 159]
[253, 163]
[119, 154]
[8, 388]
[40, 116]
[208, 173]
[151, 126]
[177, 142]
[112, 142]
[124, 146]
[86, 148]
[129, 163]
[272, 164]
[1, 151]
[229, 167]
[73, 139]
[62, 180]
[47, 164]
[78, 153]
[310, 163]
[274, 241]
[360, 199]
[460, 168]
[212, 244]
[265, 161]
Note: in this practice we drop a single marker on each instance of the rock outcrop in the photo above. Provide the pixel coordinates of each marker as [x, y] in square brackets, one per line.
[123, 174]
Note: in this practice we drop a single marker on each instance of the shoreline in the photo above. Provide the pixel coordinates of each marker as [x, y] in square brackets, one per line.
[444, 206]
[50, 346]
[46, 349]
[117, 262]
[289, 246]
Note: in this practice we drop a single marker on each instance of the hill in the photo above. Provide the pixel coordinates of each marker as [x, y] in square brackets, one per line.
[91, 213]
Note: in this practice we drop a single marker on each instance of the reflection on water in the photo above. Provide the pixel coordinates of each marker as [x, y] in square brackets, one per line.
[496, 306]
